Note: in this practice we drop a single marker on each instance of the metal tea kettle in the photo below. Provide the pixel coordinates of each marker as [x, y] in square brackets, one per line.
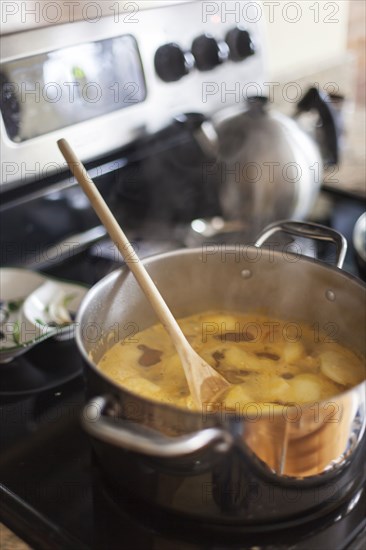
[269, 167]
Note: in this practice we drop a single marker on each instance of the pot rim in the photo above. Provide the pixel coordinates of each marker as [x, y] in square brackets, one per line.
[94, 290]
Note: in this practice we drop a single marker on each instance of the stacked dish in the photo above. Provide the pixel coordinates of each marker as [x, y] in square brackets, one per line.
[34, 307]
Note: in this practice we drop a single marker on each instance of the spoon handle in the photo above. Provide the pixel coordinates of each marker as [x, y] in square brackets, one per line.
[123, 245]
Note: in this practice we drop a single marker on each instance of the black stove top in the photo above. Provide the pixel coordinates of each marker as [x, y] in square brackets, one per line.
[54, 496]
[52, 491]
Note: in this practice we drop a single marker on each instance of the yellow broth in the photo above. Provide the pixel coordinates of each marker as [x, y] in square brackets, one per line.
[266, 360]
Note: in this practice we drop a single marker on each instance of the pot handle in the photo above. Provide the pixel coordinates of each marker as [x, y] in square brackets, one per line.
[308, 230]
[134, 437]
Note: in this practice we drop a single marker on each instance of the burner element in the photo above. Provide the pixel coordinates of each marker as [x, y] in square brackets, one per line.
[46, 366]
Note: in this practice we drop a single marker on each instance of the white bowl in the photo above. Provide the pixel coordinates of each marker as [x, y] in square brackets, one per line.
[52, 308]
[17, 334]
[24, 316]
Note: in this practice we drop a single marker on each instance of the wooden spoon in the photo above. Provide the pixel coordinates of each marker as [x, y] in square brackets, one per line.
[203, 381]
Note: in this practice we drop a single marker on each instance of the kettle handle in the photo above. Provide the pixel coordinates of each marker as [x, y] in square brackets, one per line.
[314, 100]
[308, 230]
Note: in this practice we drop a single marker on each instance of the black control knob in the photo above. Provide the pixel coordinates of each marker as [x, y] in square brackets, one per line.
[240, 44]
[206, 52]
[170, 62]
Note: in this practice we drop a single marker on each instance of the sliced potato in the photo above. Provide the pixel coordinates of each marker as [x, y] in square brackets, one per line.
[238, 358]
[292, 352]
[268, 369]
[338, 368]
[273, 388]
[305, 388]
[141, 386]
[237, 396]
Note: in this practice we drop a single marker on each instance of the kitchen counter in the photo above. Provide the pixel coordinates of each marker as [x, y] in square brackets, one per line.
[350, 176]
[9, 541]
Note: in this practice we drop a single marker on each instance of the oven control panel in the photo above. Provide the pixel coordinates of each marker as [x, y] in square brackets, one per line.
[102, 84]
[206, 53]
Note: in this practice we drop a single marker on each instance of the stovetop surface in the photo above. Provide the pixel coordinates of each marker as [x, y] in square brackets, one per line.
[52, 493]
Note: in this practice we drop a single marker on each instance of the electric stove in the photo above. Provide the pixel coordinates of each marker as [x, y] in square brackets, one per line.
[53, 494]
[149, 170]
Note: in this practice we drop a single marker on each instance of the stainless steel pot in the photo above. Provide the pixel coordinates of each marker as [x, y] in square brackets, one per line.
[247, 467]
